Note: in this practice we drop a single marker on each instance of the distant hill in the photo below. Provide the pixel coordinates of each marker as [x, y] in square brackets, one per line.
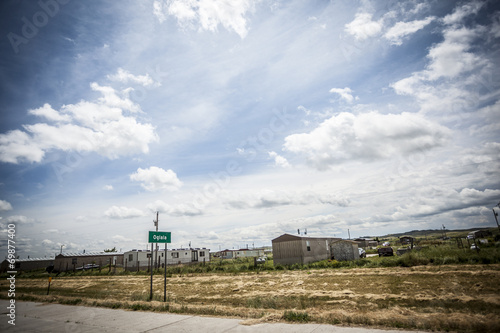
[432, 232]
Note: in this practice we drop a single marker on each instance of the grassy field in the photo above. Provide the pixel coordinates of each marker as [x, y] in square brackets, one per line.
[441, 288]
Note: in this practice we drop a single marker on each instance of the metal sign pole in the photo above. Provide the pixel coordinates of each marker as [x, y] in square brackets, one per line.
[151, 285]
[165, 277]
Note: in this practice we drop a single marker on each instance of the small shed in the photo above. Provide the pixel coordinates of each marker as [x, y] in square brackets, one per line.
[344, 250]
[290, 249]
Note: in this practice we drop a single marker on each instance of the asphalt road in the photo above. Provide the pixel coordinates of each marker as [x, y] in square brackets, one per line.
[40, 317]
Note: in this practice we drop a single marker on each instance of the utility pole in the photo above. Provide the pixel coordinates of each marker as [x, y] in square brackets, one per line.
[349, 233]
[156, 253]
[496, 214]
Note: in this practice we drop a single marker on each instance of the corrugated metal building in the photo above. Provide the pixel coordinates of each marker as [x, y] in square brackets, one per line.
[28, 264]
[290, 249]
[70, 261]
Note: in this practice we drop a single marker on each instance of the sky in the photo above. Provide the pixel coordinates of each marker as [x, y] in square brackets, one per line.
[242, 120]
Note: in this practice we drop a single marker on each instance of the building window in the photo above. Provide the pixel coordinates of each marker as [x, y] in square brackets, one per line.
[175, 254]
[308, 246]
[130, 257]
[202, 253]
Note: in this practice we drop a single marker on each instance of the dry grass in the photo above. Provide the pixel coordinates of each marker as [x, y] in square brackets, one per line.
[448, 298]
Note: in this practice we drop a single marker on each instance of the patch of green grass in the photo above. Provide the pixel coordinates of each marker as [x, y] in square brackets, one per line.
[296, 316]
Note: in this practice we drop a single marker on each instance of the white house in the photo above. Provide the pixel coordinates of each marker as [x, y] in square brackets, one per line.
[140, 259]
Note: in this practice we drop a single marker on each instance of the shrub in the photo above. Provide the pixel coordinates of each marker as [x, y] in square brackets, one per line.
[296, 316]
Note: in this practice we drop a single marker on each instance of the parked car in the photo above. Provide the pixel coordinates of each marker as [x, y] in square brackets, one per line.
[385, 252]
[362, 253]
[261, 260]
[88, 266]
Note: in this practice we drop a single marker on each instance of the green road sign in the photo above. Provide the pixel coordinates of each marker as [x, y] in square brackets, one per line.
[159, 237]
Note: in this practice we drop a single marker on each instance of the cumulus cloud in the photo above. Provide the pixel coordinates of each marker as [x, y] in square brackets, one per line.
[5, 206]
[174, 210]
[345, 93]
[279, 160]
[455, 72]
[367, 136]
[207, 15]
[434, 200]
[120, 238]
[125, 76]
[272, 198]
[19, 219]
[362, 27]
[403, 29]
[108, 187]
[100, 126]
[154, 179]
[463, 11]
[122, 212]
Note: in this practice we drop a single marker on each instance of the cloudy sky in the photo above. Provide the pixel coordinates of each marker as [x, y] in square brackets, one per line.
[241, 120]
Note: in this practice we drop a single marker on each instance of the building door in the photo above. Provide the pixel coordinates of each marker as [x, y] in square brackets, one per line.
[194, 256]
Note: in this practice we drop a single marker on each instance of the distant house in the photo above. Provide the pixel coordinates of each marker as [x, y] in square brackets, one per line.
[241, 253]
[140, 259]
[69, 261]
[479, 234]
[290, 249]
[366, 242]
[407, 240]
[28, 264]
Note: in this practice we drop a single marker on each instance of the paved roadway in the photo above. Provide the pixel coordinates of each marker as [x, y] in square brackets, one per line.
[40, 317]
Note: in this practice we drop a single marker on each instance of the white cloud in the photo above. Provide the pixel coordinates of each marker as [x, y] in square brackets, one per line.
[174, 210]
[402, 29]
[345, 93]
[19, 219]
[99, 127]
[463, 11]
[5, 206]
[50, 114]
[108, 187]
[367, 136]
[154, 179]
[208, 14]
[433, 200]
[272, 198]
[122, 212]
[120, 238]
[279, 160]
[124, 76]
[362, 27]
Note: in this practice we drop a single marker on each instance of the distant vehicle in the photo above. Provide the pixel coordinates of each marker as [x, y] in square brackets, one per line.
[261, 260]
[386, 244]
[385, 252]
[362, 253]
[88, 266]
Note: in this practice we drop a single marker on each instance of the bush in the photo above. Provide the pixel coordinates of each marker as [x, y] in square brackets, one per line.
[296, 316]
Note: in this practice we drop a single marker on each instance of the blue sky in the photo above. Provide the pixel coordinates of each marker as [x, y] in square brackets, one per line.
[239, 121]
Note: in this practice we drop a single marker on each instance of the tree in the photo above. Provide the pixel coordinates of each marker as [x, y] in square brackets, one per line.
[110, 250]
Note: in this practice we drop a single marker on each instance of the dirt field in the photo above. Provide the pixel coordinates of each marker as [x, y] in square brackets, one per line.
[452, 298]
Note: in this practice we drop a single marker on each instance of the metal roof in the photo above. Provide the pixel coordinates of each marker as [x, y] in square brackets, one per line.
[90, 254]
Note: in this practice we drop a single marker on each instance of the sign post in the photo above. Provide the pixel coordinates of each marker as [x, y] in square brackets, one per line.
[159, 237]
[48, 289]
